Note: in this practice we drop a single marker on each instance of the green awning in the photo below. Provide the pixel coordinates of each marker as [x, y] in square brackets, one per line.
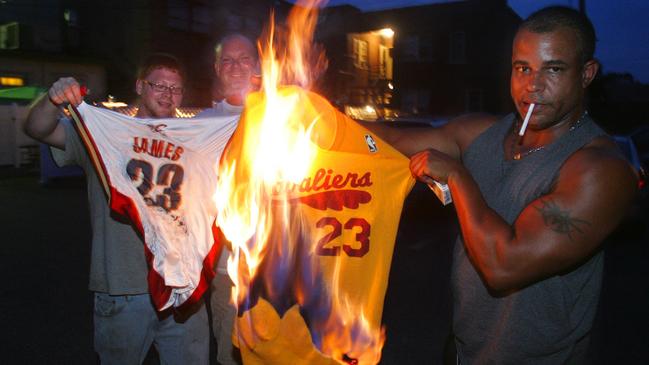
[21, 93]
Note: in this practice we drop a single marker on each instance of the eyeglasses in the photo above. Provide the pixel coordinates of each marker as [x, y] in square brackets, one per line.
[243, 61]
[160, 88]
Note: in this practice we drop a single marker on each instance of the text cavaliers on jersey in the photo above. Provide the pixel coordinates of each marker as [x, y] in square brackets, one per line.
[325, 179]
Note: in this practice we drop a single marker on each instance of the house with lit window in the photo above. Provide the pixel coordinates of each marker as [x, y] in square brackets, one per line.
[450, 58]
[32, 57]
[359, 77]
[101, 43]
[438, 60]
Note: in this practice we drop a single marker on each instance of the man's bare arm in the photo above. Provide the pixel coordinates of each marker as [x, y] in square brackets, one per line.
[555, 232]
[42, 122]
[449, 139]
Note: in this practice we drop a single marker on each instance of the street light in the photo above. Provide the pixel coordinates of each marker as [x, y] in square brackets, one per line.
[111, 103]
[386, 32]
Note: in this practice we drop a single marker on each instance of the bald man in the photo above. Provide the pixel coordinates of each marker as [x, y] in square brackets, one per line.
[236, 63]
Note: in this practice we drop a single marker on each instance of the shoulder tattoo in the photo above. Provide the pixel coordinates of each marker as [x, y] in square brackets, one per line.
[559, 220]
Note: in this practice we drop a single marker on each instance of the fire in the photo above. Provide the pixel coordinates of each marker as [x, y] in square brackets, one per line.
[263, 212]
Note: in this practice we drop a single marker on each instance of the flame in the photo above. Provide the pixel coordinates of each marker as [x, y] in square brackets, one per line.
[280, 133]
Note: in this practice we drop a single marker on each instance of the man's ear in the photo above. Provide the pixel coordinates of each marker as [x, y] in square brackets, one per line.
[217, 70]
[588, 72]
[139, 85]
[258, 67]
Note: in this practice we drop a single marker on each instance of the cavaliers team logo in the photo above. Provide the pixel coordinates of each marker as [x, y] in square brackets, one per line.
[157, 128]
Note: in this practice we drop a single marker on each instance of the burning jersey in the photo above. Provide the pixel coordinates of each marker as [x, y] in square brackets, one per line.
[346, 213]
[161, 175]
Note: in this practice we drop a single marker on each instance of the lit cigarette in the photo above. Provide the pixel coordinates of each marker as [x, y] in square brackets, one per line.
[527, 120]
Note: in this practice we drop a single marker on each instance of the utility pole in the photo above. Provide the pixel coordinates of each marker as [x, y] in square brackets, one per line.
[582, 6]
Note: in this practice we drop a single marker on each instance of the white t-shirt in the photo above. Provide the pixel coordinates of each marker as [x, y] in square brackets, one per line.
[220, 109]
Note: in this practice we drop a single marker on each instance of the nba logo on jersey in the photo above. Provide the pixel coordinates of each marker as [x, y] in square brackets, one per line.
[370, 143]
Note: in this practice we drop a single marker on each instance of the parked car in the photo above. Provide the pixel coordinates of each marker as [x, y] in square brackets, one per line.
[628, 147]
[407, 122]
[638, 215]
[640, 138]
[50, 170]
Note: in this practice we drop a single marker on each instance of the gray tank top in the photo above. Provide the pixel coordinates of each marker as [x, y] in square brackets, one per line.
[542, 323]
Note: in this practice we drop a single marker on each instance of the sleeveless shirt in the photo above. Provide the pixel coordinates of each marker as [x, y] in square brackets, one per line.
[541, 323]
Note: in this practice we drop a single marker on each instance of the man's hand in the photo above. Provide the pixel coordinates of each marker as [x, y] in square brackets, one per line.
[42, 122]
[430, 164]
[65, 90]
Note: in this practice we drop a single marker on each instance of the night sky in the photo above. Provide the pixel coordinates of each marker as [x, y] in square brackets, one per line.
[622, 28]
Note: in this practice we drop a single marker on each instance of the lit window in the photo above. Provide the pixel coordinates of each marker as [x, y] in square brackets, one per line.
[71, 17]
[10, 36]
[188, 16]
[11, 81]
[360, 53]
[385, 62]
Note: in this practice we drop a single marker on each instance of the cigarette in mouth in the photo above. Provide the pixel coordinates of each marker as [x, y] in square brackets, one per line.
[527, 120]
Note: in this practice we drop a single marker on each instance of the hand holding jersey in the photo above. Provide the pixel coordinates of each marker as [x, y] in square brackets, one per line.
[118, 264]
[42, 123]
[66, 90]
[161, 174]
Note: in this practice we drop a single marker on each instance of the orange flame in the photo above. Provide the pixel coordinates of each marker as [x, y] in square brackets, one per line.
[280, 133]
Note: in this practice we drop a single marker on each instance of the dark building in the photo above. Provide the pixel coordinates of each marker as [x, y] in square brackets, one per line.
[125, 31]
[344, 73]
[450, 58]
[118, 34]
[438, 59]
[360, 60]
[619, 103]
[100, 43]
[34, 38]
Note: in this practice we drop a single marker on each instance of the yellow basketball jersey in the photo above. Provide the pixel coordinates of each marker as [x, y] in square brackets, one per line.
[351, 198]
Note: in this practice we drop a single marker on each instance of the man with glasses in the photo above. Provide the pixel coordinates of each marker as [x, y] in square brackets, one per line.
[160, 91]
[126, 322]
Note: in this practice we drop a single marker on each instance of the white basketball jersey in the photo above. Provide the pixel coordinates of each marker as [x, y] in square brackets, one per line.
[161, 175]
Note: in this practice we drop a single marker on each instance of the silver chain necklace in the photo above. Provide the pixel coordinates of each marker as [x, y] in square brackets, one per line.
[518, 155]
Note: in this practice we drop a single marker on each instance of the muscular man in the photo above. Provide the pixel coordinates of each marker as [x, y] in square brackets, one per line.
[533, 212]
[236, 63]
[126, 322]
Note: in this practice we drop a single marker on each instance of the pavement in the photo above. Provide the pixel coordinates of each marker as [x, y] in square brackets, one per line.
[46, 309]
